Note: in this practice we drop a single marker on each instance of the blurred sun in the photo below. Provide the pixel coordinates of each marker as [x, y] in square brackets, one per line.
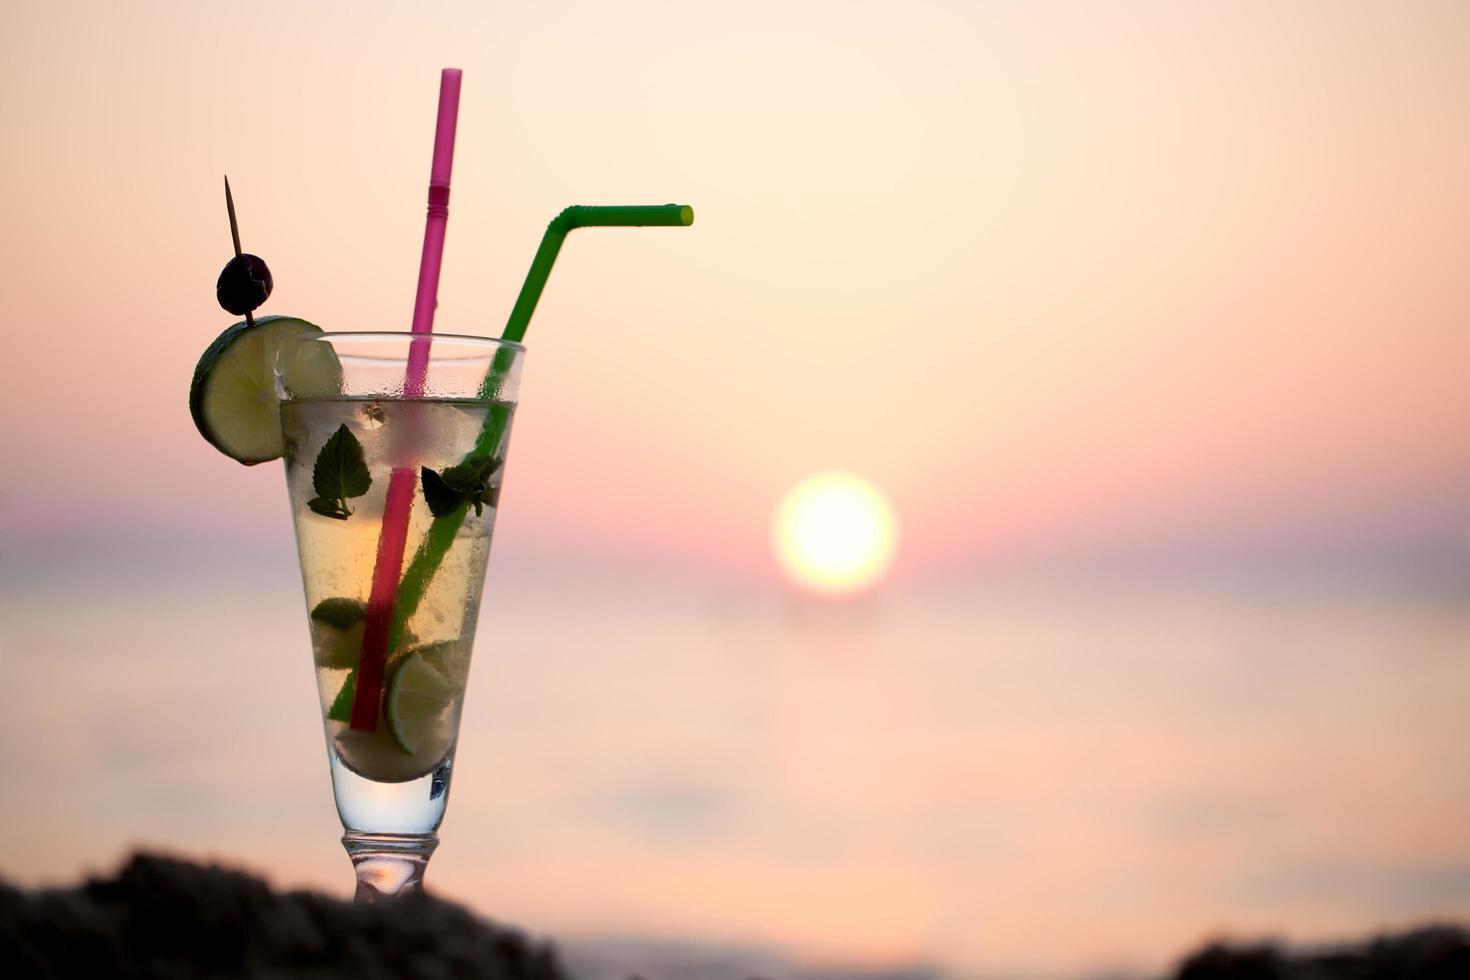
[835, 533]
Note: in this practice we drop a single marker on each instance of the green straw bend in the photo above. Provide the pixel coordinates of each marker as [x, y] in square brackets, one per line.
[583, 216]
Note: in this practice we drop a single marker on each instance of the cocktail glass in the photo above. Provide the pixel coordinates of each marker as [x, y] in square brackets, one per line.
[352, 442]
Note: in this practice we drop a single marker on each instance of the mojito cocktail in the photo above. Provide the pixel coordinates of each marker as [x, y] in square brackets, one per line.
[391, 749]
[394, 445]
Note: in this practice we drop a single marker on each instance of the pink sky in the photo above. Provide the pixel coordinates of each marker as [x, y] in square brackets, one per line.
[1023, 266]
[1062, 279]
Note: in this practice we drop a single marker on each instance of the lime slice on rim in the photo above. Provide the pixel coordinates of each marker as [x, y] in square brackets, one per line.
[418, 696]
[233, 395]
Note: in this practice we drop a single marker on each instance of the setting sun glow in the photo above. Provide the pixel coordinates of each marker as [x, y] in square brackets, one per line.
[835, 533]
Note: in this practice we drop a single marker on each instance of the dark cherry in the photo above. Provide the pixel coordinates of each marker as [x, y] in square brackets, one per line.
[244, 284]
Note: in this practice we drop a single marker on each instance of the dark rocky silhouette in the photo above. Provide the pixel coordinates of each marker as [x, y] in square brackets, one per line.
[168, 919]
[161, 918]
[1433, 953]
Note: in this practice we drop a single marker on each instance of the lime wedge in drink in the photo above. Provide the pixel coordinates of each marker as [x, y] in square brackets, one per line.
[336, 649]
[414, 731]
[450, 658]
[418, 695]
[233, 396]
[375, 755]
[337, 626]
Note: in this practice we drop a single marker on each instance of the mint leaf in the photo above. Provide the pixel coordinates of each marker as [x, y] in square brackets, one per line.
[343, 614]
[472, 475]
[340, 472]
[466, 482]
[329, 508]
[441, 498]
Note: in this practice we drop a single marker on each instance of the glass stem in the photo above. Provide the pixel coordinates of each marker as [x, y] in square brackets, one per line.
[388, 865]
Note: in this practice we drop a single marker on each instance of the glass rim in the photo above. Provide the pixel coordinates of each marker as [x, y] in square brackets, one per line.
[472, 340]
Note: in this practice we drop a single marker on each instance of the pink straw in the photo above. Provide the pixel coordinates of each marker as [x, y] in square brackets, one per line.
[393, 538]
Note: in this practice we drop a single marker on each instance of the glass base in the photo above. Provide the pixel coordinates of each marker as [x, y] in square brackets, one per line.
[389, 865]
[367, 806]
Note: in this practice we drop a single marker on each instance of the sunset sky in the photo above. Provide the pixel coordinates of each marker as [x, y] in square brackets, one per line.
[1151, 321]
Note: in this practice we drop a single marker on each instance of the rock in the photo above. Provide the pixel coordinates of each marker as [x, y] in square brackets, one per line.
[164, 918]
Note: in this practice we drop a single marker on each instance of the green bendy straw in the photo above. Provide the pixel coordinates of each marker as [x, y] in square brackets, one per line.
[440, 536]
[443, 529]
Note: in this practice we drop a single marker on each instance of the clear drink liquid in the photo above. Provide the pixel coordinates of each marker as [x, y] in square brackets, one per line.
[381, 787]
